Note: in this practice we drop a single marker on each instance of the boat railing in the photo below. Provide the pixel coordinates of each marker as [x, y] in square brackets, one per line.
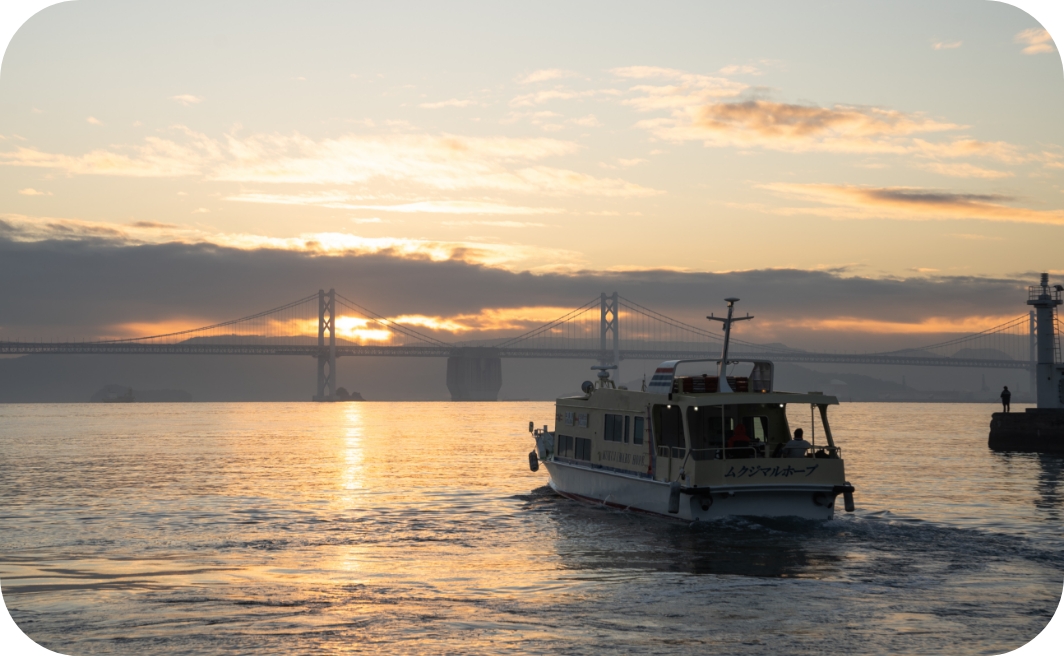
[671, 451]
[727, 453]
[821, 452]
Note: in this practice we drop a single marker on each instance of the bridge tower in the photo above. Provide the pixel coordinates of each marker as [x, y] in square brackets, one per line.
[610, 325]
[326, 355]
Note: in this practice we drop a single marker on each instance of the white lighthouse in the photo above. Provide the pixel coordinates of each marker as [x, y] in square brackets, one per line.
[1039, 429]
[1049, 372]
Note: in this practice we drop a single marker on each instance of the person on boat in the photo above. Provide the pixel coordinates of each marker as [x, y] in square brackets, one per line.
[796, 448]
[739, 437]
[1006, 397]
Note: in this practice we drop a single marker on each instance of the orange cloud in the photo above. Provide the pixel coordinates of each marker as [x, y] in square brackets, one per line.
[340, 200]
[546, 74]
[906, 203]
[1037, 39]
[704, 108]
[445, 161]
[453, 102]
[501, 255]
[963, 170]
[929, 325]
[547, 95]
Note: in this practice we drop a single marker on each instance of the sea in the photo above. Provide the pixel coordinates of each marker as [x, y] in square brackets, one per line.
[410, 528]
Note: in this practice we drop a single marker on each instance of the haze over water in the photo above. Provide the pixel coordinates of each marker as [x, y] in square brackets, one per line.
[418, 528]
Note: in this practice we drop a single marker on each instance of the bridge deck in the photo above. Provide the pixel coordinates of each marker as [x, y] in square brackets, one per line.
[309, 350]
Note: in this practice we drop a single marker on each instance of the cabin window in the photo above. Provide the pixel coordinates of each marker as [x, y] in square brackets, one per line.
[637, 430]
[614, 428]
[582, 448]
[756, 427]
[627, 421]
[565, 446]
[669, 429]
[709, 429]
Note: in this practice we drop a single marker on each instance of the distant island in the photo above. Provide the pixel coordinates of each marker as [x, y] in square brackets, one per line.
[343, 395]
[126, 394]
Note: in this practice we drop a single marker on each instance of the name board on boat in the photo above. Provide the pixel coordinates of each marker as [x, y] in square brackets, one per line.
[623, 458]
[576, 419]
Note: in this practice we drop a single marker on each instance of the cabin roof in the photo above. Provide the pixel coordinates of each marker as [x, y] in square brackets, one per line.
[713, 398]
[738, 398]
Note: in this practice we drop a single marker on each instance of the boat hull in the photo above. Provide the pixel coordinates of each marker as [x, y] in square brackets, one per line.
[628, 492]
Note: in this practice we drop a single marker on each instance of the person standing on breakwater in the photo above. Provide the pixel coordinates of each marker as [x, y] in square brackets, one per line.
[1006, 396]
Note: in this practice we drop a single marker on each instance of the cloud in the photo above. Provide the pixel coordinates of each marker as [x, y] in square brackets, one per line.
[942, 45]
[905, 203]
[154, 225]
[93, 120]
[156, 157]
[458, 207]
[589, 121]
[453, 102]
[684, 91]
[23, 229]
[926, 326]
[442, 162]
[702, 108]
[1037, 39]
[963, 170]
[547, 95]
[187, 99]
[794, 128]
[340, 200]
[546, 74]
[998, 150]
[740, 69]
[90, 284]
[496, 224]
[29, 191]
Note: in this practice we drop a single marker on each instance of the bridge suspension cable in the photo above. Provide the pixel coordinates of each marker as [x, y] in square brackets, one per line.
[281, 310]
[561, 324]
[388, 324]
[1010, 339]
[652, 316]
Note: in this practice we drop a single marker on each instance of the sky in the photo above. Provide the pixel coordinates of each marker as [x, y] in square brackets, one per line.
[882, 170]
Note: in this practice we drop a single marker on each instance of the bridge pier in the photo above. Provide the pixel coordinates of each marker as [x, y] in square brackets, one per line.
[474, 374]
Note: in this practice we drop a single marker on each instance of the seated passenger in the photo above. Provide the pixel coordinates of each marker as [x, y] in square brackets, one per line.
[796, 447]
[739, 437]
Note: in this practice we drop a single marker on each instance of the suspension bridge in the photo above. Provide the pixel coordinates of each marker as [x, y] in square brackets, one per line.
[610, 328]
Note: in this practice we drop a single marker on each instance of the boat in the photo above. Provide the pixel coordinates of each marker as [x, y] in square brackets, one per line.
[699, 442]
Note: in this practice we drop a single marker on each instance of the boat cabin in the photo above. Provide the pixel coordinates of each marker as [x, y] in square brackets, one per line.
[688, 425]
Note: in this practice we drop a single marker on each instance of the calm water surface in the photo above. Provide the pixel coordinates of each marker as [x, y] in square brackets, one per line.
[417, 528]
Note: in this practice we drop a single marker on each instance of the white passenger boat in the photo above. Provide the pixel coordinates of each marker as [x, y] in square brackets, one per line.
[694, 446]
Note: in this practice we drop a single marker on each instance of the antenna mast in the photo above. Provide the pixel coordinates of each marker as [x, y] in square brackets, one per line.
[722, 368]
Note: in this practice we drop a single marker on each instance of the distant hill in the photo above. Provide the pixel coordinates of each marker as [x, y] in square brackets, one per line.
[982, 354]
